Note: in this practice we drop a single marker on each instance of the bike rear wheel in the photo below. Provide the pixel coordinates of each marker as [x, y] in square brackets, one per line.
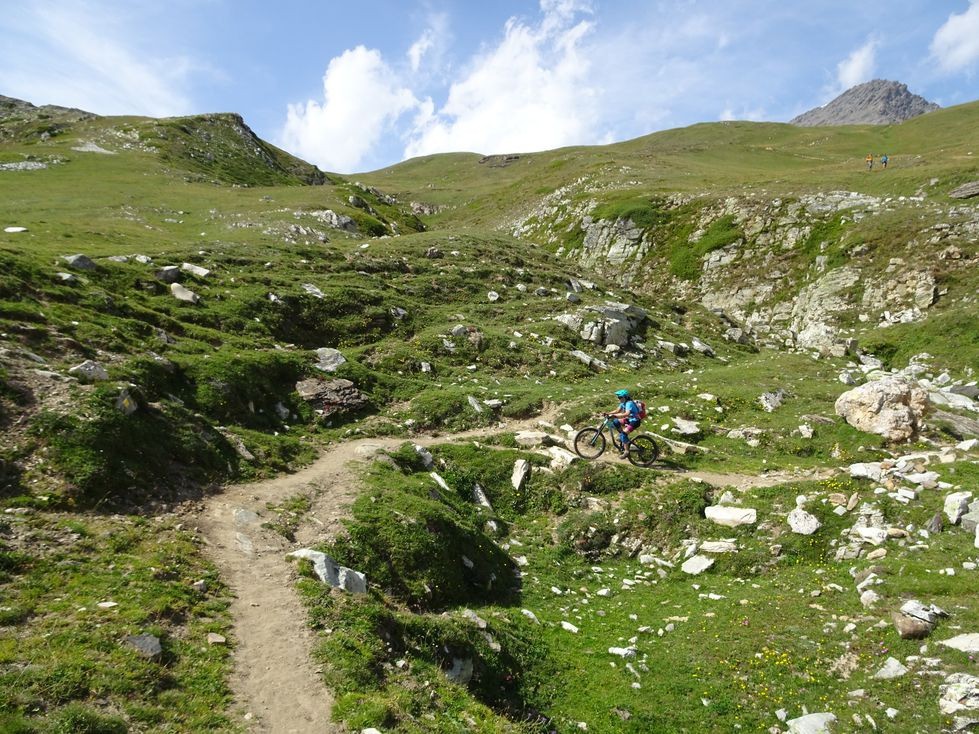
[643, 451]
[589, 443]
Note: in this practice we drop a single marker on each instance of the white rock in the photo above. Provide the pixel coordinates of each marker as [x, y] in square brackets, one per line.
[530, 615]
[329, 359]
[870, 470]
[89, 370]
[623, 652]
[959, 694]
[697, 565]
[425, 455]
[719, 546]
[812, 724]
[869, 598]
[892, 668]
[968, 643]
[331, 573]
[802, 522]
[521, 470]
[197, 270]
[957, 505]
[891, 407]
[561, 459]
[14, 230]
[184, 294]
[569, 627]
[731, 517]
[685, 427]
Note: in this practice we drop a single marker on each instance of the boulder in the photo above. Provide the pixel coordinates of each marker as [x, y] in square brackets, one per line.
[891, 407]
[461, 671]
[328, 397]
[685, 427]
[596, 364]
[731, 517]
[532, 439]
[125, 402]
[772, 400]
[910, 628]
[561, 459]
[331, 573]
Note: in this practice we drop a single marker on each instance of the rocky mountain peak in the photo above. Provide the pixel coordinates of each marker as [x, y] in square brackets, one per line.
[877, 102]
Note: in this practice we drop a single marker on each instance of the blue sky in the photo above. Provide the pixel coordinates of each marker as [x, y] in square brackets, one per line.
[357, 86]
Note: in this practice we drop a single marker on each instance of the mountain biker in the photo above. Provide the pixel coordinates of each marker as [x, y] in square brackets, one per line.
[870, 161]
[626, 419]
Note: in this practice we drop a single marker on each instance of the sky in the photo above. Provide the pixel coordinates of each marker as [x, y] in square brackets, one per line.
[356, 86]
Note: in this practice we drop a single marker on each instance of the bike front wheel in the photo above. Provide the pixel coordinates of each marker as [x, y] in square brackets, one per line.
[589, 443]
[643, 451]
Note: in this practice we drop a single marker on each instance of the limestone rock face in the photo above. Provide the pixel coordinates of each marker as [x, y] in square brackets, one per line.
[890, 407]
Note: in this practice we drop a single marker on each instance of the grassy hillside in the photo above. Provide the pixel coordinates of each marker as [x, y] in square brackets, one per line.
[447, 322]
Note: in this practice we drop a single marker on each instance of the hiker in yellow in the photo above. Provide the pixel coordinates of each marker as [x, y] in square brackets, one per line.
[870, 161]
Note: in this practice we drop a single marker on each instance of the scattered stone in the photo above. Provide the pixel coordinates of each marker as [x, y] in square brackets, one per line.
[595, 364]
[530, 615]
[329, 359]
[80, 262]
[959, 697]
[968, 643]
[196, 270]
[313, 291]
[14, 230]
[772, 400]
[812, 724]
[802, 522]
[965, 191]
[89, 371]
[331, 573]
[686, 427]
[493, 296]
[532, 439]
[521, 470]
[957, 505]
[731, 517]
[719, 546]
[200, 586]
[148, 646]
[623, 652]
[213, 638]
[184, 294]
[569, 627]
[696, 565]
[936, 524]
[461, 671]
[699, 346]
[893, 668]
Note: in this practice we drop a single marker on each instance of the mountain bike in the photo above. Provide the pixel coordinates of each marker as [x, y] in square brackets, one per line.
[590, 443]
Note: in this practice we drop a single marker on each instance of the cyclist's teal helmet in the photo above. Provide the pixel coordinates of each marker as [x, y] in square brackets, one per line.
[622, 394]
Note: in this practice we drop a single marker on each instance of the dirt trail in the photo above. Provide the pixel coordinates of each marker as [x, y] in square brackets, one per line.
[277, 686]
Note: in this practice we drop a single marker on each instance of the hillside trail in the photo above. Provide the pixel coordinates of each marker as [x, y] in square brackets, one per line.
[276, 683]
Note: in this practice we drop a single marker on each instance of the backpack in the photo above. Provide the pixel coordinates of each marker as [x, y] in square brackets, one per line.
[641, 405]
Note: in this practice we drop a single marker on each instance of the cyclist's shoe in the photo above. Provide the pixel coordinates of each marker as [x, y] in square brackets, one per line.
[624, 453]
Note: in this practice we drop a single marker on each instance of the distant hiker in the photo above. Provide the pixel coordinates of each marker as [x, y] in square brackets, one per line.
[627, 418]
[870, 161]
[883, 161]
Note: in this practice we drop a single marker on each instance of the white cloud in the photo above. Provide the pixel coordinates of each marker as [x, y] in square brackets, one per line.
[858, 67]
[529, 92]
[362, 99]
[77, 54]
[956, 43]
[420, 47]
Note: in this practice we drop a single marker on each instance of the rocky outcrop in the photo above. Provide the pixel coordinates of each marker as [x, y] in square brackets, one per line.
[891, 407]
[328, 397]
[877, 102]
